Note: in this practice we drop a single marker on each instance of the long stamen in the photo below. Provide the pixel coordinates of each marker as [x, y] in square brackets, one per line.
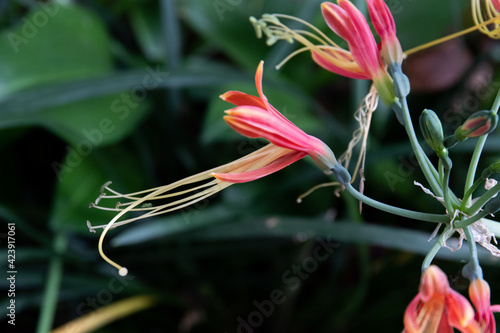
[450, 37]
[274, 30]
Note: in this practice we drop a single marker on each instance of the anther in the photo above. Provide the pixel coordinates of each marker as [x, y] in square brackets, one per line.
[91, 228]
[103, 187]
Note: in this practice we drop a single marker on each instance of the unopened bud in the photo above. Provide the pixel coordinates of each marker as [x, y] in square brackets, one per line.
[492, 168]
[432, 130]
[478, 124]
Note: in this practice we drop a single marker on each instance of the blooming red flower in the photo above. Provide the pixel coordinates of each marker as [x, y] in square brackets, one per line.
[479, 293]
[254, 117]
[350, 24]
[438, 308]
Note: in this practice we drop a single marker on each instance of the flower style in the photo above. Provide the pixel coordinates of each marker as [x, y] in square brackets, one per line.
[253, 117]
[438, 308]
[479, 293]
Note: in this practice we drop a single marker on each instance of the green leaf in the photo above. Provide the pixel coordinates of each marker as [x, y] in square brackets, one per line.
[55, 42]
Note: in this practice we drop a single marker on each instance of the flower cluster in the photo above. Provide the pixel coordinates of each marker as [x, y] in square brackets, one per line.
[436, 307]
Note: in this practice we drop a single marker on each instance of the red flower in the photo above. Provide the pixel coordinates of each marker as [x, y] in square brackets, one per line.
[438, 308]
[364, 60]
[479, 293]
[254, 117]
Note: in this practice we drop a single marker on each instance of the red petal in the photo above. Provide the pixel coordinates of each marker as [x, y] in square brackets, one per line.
[239, 98]
[276, 165]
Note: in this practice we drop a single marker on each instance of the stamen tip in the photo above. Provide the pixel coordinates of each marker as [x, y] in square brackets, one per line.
[299, 200]
[123, 271]
[103, 187]
[91, 228]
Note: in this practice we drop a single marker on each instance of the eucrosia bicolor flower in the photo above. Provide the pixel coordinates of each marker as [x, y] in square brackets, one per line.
[479, 293]
[438, 308]
[363, 60]
[253, 117]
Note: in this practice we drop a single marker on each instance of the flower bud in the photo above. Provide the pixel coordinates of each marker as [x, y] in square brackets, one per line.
[492, 168]
[478, 124]
[432, 131]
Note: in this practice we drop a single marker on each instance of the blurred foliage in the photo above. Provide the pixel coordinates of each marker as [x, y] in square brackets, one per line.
[127, 91]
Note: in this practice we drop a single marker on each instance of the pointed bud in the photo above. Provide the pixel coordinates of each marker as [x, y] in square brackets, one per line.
[478, 124]
[432, 131]
[492, 168]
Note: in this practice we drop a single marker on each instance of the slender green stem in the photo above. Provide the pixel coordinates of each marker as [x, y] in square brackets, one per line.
[436, 247]
[464, 223]
[483, 199]
[474, 262]
[51, 292]
[428, 169]
[469, 192]
[446, 191]
[396, 210]
[477, 154]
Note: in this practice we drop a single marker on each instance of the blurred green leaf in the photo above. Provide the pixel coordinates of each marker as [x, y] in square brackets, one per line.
[55, 42]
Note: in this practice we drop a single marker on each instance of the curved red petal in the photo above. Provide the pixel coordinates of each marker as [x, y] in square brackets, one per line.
[239, 98]
[276, 165]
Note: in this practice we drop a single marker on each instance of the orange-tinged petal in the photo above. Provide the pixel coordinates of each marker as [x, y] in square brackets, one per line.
[384, 24]
[341, 63]
[254, 123]
[360, 39]
[433, 283]
[460, 312]
[276, 165]
[479, 293]
[239, 98]
[410, 317]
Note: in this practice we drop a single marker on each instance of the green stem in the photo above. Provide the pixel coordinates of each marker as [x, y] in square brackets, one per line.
[52, 285]
[464, 223]
[396, 210]
[428, 169]
[483, 200]
[469, 193]
[474, 262]
[436, 247]
[471, 174]
[446, 191]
